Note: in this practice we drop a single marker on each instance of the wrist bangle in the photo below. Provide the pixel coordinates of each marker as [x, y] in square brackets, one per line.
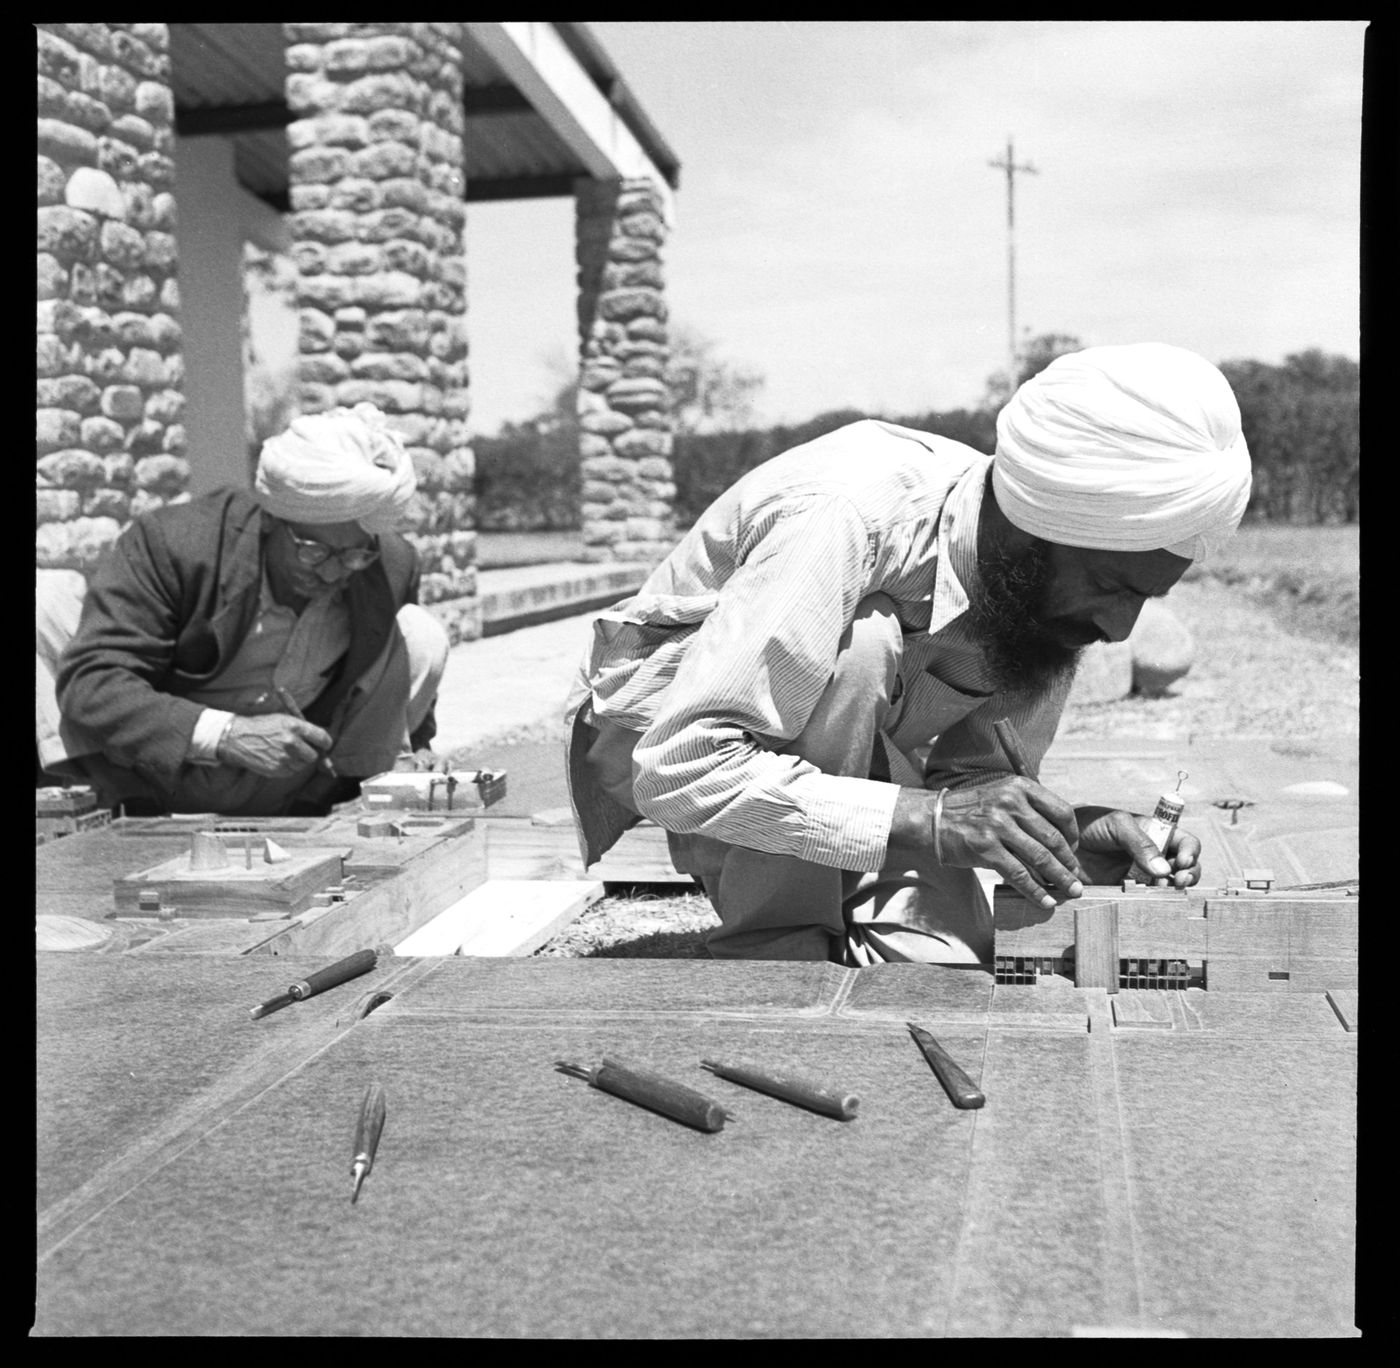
[223, 739]
[938, 825]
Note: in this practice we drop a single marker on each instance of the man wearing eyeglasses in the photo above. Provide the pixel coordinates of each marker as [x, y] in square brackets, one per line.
[256, 653]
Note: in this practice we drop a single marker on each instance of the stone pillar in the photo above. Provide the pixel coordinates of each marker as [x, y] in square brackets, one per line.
[378, 219]
[109, 440]
[628, 505]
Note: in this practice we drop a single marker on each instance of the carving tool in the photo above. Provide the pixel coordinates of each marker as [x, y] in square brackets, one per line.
[651, 1090]
[352, 966]
[1011, 744]
[367, 1131]
[961, 1090]
[291, 706]
[799, 1090]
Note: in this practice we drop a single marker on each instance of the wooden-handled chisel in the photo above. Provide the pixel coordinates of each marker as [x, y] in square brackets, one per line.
[367, 1131]
[652, 1090]
[961, 1090]
[352, 966]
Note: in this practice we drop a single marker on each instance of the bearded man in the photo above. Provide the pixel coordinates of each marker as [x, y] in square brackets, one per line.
[250, 653]
[803, 693]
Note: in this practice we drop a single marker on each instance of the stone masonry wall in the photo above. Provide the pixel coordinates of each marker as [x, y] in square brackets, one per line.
[109, 441]
[378, 217]
[623, 403]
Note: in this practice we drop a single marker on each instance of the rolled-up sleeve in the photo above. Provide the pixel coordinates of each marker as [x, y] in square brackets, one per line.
[749, 682]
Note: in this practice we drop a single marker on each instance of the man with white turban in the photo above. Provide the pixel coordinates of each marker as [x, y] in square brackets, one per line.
[803, 693]
[257, 653]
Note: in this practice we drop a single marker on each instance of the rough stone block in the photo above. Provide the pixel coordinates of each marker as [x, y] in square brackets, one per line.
[646, 329]
[52, 278]
[403, 254]
[389, 290]
[165, 407]
[50, 356]
[642, 392]
[66, 233]
[599, 373]
[356, 195]
[383, 161]
[398, 330]
[145, 438]
[52, 180]
[161, 251]
[105, 366]
[144, 367]
[141, 292]
[73, 392]
[389, 366]
[393, 396]
[58, 59]
[164, 475]
[95, 192]
[644, 442]
[133, 129]
[325, 225]
[154, 100]
[384, 90]
[65, 143]
[123, 402]
[316, 330]
[56, 505]
[1162, 649]
[122, 246]
[625, 304]
[89, 540]
[347, 55]
[606, 423]
[107, 503]
[102, 435]
[72, 469]
[158, 168]
[329, 130]
[55, 429]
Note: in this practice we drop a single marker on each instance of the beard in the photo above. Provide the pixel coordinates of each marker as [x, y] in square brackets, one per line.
[1025, 651]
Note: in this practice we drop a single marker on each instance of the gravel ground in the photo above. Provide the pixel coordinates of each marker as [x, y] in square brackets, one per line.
[1252, 677]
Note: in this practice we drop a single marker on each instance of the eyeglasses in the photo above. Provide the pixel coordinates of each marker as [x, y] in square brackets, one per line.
[313, 553]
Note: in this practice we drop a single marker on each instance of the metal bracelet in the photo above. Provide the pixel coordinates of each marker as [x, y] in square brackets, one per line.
[938, 825]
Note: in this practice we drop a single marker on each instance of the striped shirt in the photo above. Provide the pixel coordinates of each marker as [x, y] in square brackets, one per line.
[725, 650]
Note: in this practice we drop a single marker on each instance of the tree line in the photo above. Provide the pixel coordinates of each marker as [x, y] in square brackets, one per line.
[1301, 420]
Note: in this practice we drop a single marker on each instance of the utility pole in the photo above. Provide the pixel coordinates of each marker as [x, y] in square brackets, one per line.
[1011, 167]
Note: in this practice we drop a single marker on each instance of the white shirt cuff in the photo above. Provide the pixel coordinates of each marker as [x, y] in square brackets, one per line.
[209, 729]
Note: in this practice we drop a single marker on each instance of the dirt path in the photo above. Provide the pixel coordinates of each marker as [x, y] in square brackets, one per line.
[1250, 678]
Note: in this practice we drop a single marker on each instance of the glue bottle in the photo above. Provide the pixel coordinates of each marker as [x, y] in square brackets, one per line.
[1165, 816]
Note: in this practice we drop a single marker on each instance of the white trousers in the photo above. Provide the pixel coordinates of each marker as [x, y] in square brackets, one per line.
[780, 907]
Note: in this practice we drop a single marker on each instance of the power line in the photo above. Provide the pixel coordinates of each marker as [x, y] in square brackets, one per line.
[1011, 167]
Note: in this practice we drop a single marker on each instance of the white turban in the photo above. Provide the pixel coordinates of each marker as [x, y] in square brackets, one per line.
[1133, 448]
[341, 466]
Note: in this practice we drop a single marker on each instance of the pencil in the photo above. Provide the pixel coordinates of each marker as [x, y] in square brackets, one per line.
[290, 704]
[1011, 744]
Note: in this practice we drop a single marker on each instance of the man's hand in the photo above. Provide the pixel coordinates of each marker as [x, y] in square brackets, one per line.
[1015, 826]
[422, 762]
[1113, 844]
[274, 745]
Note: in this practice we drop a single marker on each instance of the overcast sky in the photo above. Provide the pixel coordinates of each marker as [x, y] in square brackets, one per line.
[840, 231]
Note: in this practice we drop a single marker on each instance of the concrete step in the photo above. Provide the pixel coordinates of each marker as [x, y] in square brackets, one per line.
[524, 595]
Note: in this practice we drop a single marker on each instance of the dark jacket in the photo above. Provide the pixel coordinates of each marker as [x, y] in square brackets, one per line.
[169, 606]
